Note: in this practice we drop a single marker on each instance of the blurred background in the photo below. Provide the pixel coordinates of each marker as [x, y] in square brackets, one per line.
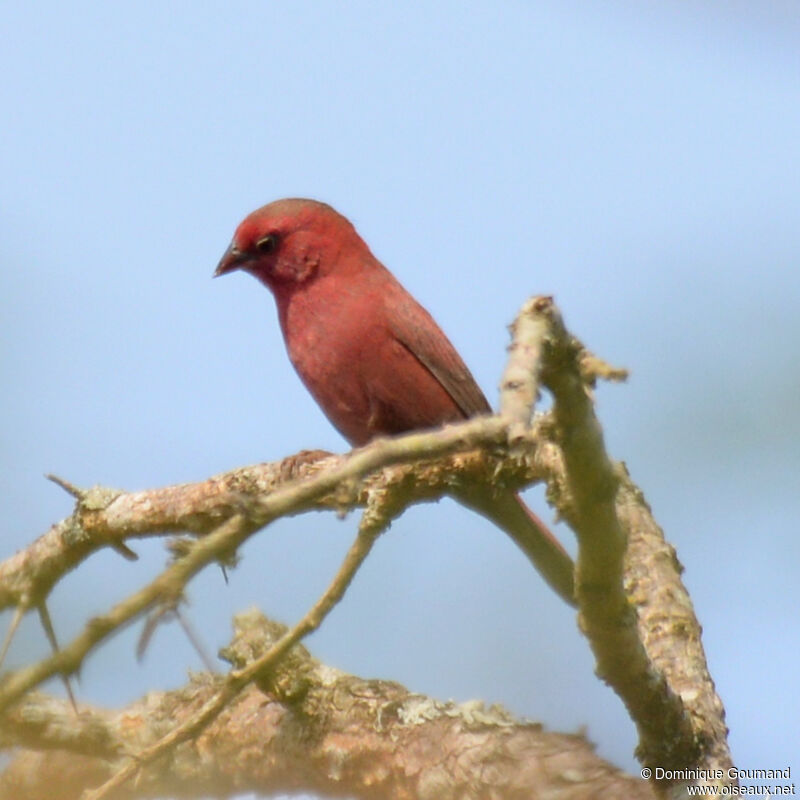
[639, 161]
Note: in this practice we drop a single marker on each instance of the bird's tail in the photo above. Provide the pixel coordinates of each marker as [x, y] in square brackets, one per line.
[508, 511]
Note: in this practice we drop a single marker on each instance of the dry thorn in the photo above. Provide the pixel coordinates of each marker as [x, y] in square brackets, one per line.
[68, 487]
[19, 613]
[47, 624]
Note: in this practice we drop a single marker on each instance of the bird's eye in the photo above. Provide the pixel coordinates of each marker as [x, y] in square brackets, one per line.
[266, 244]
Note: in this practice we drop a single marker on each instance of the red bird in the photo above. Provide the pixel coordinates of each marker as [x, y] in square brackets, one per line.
[371, 356]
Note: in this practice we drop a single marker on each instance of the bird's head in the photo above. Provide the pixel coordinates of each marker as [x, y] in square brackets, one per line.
[289, 242]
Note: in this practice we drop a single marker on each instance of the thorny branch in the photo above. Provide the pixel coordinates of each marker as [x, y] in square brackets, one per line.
[633, 607]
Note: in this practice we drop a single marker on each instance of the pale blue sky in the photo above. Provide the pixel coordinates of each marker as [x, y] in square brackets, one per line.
[639, 161]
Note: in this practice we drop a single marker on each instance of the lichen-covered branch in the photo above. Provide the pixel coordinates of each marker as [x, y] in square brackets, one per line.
[307, 727]
[102, 517]
[633, 607]
[336, 483]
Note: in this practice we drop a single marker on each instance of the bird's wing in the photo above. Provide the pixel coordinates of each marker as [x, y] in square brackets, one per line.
[415, 329]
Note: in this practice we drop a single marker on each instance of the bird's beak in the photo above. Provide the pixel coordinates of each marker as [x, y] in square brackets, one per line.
[231, 260]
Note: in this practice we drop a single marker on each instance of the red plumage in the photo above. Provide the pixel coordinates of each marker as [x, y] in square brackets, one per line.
[372, 357]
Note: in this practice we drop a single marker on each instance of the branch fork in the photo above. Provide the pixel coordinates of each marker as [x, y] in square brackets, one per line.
[633, 607]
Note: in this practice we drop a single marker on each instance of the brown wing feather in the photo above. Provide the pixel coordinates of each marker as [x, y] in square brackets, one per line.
[416, 330]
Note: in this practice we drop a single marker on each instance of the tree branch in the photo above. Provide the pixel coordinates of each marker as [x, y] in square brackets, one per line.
[633, 607]
[307, 728]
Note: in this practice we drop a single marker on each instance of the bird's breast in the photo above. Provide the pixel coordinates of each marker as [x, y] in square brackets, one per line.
[328, 337]
[342, 339]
